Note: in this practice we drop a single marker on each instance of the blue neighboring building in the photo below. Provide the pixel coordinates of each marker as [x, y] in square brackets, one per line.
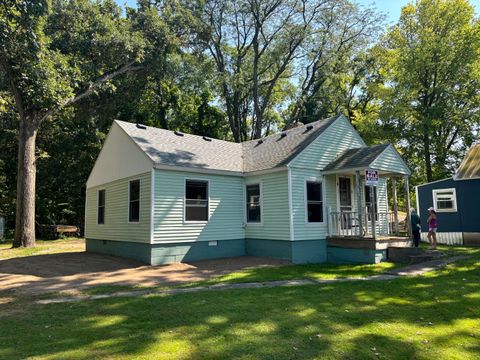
[456, 201]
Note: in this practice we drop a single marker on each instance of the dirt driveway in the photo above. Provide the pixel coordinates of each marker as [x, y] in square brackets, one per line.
[76, 270]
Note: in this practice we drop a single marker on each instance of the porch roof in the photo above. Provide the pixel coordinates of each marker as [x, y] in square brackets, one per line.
[382, 157]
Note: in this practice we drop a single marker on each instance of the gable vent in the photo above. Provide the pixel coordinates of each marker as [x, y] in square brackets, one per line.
[282, 135]
[309, 127]
[178, 133]
[206, 138]
[141, 126]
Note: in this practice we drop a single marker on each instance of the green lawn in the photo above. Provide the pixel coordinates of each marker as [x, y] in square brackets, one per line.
[42, 247]
[270, 273]
[430, 317]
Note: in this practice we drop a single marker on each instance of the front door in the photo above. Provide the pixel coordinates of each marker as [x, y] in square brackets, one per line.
[345, 193]
[345, 201]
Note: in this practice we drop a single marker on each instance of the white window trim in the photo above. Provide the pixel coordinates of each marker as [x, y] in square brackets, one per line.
[305, 200]
[435, 193]
[139, 201]
[260, 186]
[104, 205]
[185, 221]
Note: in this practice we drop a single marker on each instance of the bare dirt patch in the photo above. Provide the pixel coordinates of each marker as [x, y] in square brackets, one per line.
[73, 271]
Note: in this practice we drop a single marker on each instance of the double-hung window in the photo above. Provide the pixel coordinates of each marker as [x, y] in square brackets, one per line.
[134, 201]
[314, 201]
[101, 207]
[445, 200]
[196, 200]
[253, 202]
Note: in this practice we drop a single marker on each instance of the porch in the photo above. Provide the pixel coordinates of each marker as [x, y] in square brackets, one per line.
[361, 225]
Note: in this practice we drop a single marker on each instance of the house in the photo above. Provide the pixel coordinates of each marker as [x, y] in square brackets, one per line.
[456, 201]
[163, 196]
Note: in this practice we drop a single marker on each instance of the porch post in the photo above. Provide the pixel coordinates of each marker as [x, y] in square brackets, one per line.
[407, 219]
[359, 202]
[395, 204]
[372, 200]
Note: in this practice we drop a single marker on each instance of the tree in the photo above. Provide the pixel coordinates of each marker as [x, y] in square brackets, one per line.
[255, 46]
[433, 75]
[53, 57]
[336, 65]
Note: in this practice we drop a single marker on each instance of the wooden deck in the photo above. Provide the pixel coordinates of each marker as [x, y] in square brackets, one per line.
[358, 242]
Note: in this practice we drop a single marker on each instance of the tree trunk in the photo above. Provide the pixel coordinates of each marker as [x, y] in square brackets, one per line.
[427, 157]
[258, 118]
[26, 172]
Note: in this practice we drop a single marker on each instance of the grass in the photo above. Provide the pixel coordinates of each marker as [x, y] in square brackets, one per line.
[341, 320]
[262, 274]
[42, 247]
[288, 272]
[433, 316]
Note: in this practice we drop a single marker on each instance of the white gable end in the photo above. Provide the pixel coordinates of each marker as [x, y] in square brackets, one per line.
[119, 158]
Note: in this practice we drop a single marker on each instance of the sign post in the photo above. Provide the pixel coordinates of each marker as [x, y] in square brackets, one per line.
[371, 179]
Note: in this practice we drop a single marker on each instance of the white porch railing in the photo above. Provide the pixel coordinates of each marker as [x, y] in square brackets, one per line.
[350, 223]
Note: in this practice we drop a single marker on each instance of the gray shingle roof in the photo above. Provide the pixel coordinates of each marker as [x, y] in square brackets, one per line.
[275, 150]
[164, 147]
[356, 158]
[470, 166]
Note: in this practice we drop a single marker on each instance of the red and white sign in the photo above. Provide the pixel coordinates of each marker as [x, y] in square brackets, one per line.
[371, 177]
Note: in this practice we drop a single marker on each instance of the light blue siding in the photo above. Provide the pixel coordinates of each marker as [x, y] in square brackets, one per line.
[389, 160]
[330, 192]
[226, 208]
[302, 229]
[275, 212]
[116, 226]
[338, 137]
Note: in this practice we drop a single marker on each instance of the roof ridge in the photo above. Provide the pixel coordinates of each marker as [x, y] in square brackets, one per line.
[173, 131]
[292, 129]
[228, 141]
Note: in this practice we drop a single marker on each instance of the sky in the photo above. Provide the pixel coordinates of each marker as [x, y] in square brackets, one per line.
[391, 8]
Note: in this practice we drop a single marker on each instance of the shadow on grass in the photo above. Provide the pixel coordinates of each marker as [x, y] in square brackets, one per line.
[419, 317]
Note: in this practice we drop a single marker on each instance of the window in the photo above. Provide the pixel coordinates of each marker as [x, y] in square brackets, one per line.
[101, 207]
[196, 200]
[134, 201]
[445, 200]
[369, 202]
[314, 202]
[254, 211]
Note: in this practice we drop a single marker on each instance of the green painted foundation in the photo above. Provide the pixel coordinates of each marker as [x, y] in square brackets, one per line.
[195, 251]
[338, 255]
[278, 249]
[131, 250]
[160, 254]
[298, 252]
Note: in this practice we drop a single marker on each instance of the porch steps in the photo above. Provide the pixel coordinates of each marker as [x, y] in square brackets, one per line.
[412, 255]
